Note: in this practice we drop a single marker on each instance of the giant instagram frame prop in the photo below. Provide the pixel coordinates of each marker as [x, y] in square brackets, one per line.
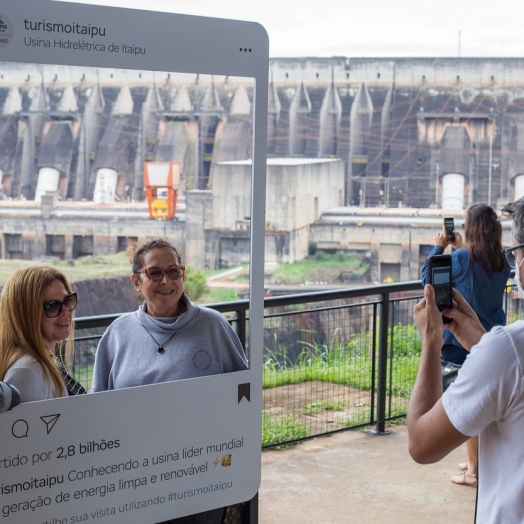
[147, 454]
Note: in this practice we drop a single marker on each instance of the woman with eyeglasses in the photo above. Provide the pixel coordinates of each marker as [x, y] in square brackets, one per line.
[36, 333]
[168, 338]
[480, 273]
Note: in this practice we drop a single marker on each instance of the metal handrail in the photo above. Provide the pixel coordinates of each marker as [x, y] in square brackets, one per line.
[240, 308]
[381, 297]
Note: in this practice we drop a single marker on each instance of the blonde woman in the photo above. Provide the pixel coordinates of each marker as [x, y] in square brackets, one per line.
[36, 332]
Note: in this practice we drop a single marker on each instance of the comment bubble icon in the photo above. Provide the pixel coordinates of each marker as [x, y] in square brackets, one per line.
[20, 428]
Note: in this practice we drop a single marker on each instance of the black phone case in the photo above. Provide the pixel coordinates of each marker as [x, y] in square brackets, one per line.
[443, 261]
[449, 226]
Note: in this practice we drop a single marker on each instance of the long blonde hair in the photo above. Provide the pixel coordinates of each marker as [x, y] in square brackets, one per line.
[21, 319]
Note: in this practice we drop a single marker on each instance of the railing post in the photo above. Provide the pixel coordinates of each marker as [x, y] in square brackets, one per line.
[253, 510]
[380, 428]
[241, 318]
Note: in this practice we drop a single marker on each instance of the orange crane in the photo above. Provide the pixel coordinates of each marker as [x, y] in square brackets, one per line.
[162, 181]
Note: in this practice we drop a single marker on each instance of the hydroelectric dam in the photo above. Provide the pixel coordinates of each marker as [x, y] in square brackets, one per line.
[347, 137]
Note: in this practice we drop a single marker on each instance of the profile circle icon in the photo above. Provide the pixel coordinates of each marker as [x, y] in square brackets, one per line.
[6, 30]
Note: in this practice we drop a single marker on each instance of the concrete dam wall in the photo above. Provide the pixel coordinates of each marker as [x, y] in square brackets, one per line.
[399, 125]
[348, 139]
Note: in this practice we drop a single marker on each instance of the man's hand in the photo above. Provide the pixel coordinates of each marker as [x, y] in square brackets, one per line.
[428, 319]
[465, 324]
[431, 434]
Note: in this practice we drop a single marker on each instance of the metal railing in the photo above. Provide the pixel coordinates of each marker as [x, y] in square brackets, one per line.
[333, 360]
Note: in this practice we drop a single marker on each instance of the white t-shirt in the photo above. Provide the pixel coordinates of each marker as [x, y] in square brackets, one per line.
[487, 399]
[28, 376]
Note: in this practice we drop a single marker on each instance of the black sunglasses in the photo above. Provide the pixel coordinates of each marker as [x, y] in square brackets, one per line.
[53, 308]
[509, 253]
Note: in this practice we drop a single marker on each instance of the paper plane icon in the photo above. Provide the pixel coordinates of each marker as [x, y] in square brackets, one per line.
[50, 421]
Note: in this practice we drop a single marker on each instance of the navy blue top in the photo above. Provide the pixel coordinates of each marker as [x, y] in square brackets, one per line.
[486, 298]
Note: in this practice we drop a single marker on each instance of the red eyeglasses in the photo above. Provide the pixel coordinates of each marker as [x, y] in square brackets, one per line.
[156, 274]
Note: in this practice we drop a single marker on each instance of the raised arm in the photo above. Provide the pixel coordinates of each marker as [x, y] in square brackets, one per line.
[431, 434]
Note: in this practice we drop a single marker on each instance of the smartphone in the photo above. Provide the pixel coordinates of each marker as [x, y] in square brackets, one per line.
[449, 226]
[439, 276]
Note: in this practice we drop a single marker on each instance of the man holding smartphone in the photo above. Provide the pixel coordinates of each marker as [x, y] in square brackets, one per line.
[487, 399]
[480, 273]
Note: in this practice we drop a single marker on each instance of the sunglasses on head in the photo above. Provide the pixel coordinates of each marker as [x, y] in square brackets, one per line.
[156, 273]
[509, 253]
[53, 308]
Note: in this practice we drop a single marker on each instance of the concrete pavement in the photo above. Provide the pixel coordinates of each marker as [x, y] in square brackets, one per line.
[354, 477]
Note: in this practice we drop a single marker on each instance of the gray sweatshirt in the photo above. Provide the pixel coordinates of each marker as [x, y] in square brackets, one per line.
[198, 343]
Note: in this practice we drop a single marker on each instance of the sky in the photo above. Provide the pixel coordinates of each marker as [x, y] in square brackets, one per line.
[372, 28]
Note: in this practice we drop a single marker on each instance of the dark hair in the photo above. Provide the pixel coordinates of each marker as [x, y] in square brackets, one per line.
[136, 251]
[484, 237]
[515, 210]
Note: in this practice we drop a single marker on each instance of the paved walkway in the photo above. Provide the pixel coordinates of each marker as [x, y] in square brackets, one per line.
[353, 477]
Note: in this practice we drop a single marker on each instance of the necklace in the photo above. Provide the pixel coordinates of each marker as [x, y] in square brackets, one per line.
[160, 348]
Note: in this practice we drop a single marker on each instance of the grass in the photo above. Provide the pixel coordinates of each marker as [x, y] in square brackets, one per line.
[321, 267]
[102, 266]
[355, 415]
[282, 429]
[356, 373]
[349, 364]
[219, 294]
[358, 416]
[319, 406]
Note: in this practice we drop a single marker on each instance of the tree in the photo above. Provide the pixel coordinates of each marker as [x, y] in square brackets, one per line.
[195, 284]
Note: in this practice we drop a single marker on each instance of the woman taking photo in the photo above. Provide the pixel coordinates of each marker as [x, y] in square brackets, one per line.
[168, 338]
[36, 332]
[480, 273]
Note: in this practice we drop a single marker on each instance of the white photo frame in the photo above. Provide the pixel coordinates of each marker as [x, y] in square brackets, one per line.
[164, 439]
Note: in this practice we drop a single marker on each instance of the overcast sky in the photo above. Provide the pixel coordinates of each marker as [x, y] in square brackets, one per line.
[368, 27]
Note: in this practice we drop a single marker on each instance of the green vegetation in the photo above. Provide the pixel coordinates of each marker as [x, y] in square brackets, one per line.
[350, 364]
[322, 267]
[219, 294]
[514, 317]
[195, 284]
[358, 416]
[321, 405]
[282, 429]
[102, 266]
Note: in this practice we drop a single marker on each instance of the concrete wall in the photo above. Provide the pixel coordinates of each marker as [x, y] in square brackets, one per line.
[231, 194]
[400, 237]
[57, 236]
[299, 191]
[409, 103]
